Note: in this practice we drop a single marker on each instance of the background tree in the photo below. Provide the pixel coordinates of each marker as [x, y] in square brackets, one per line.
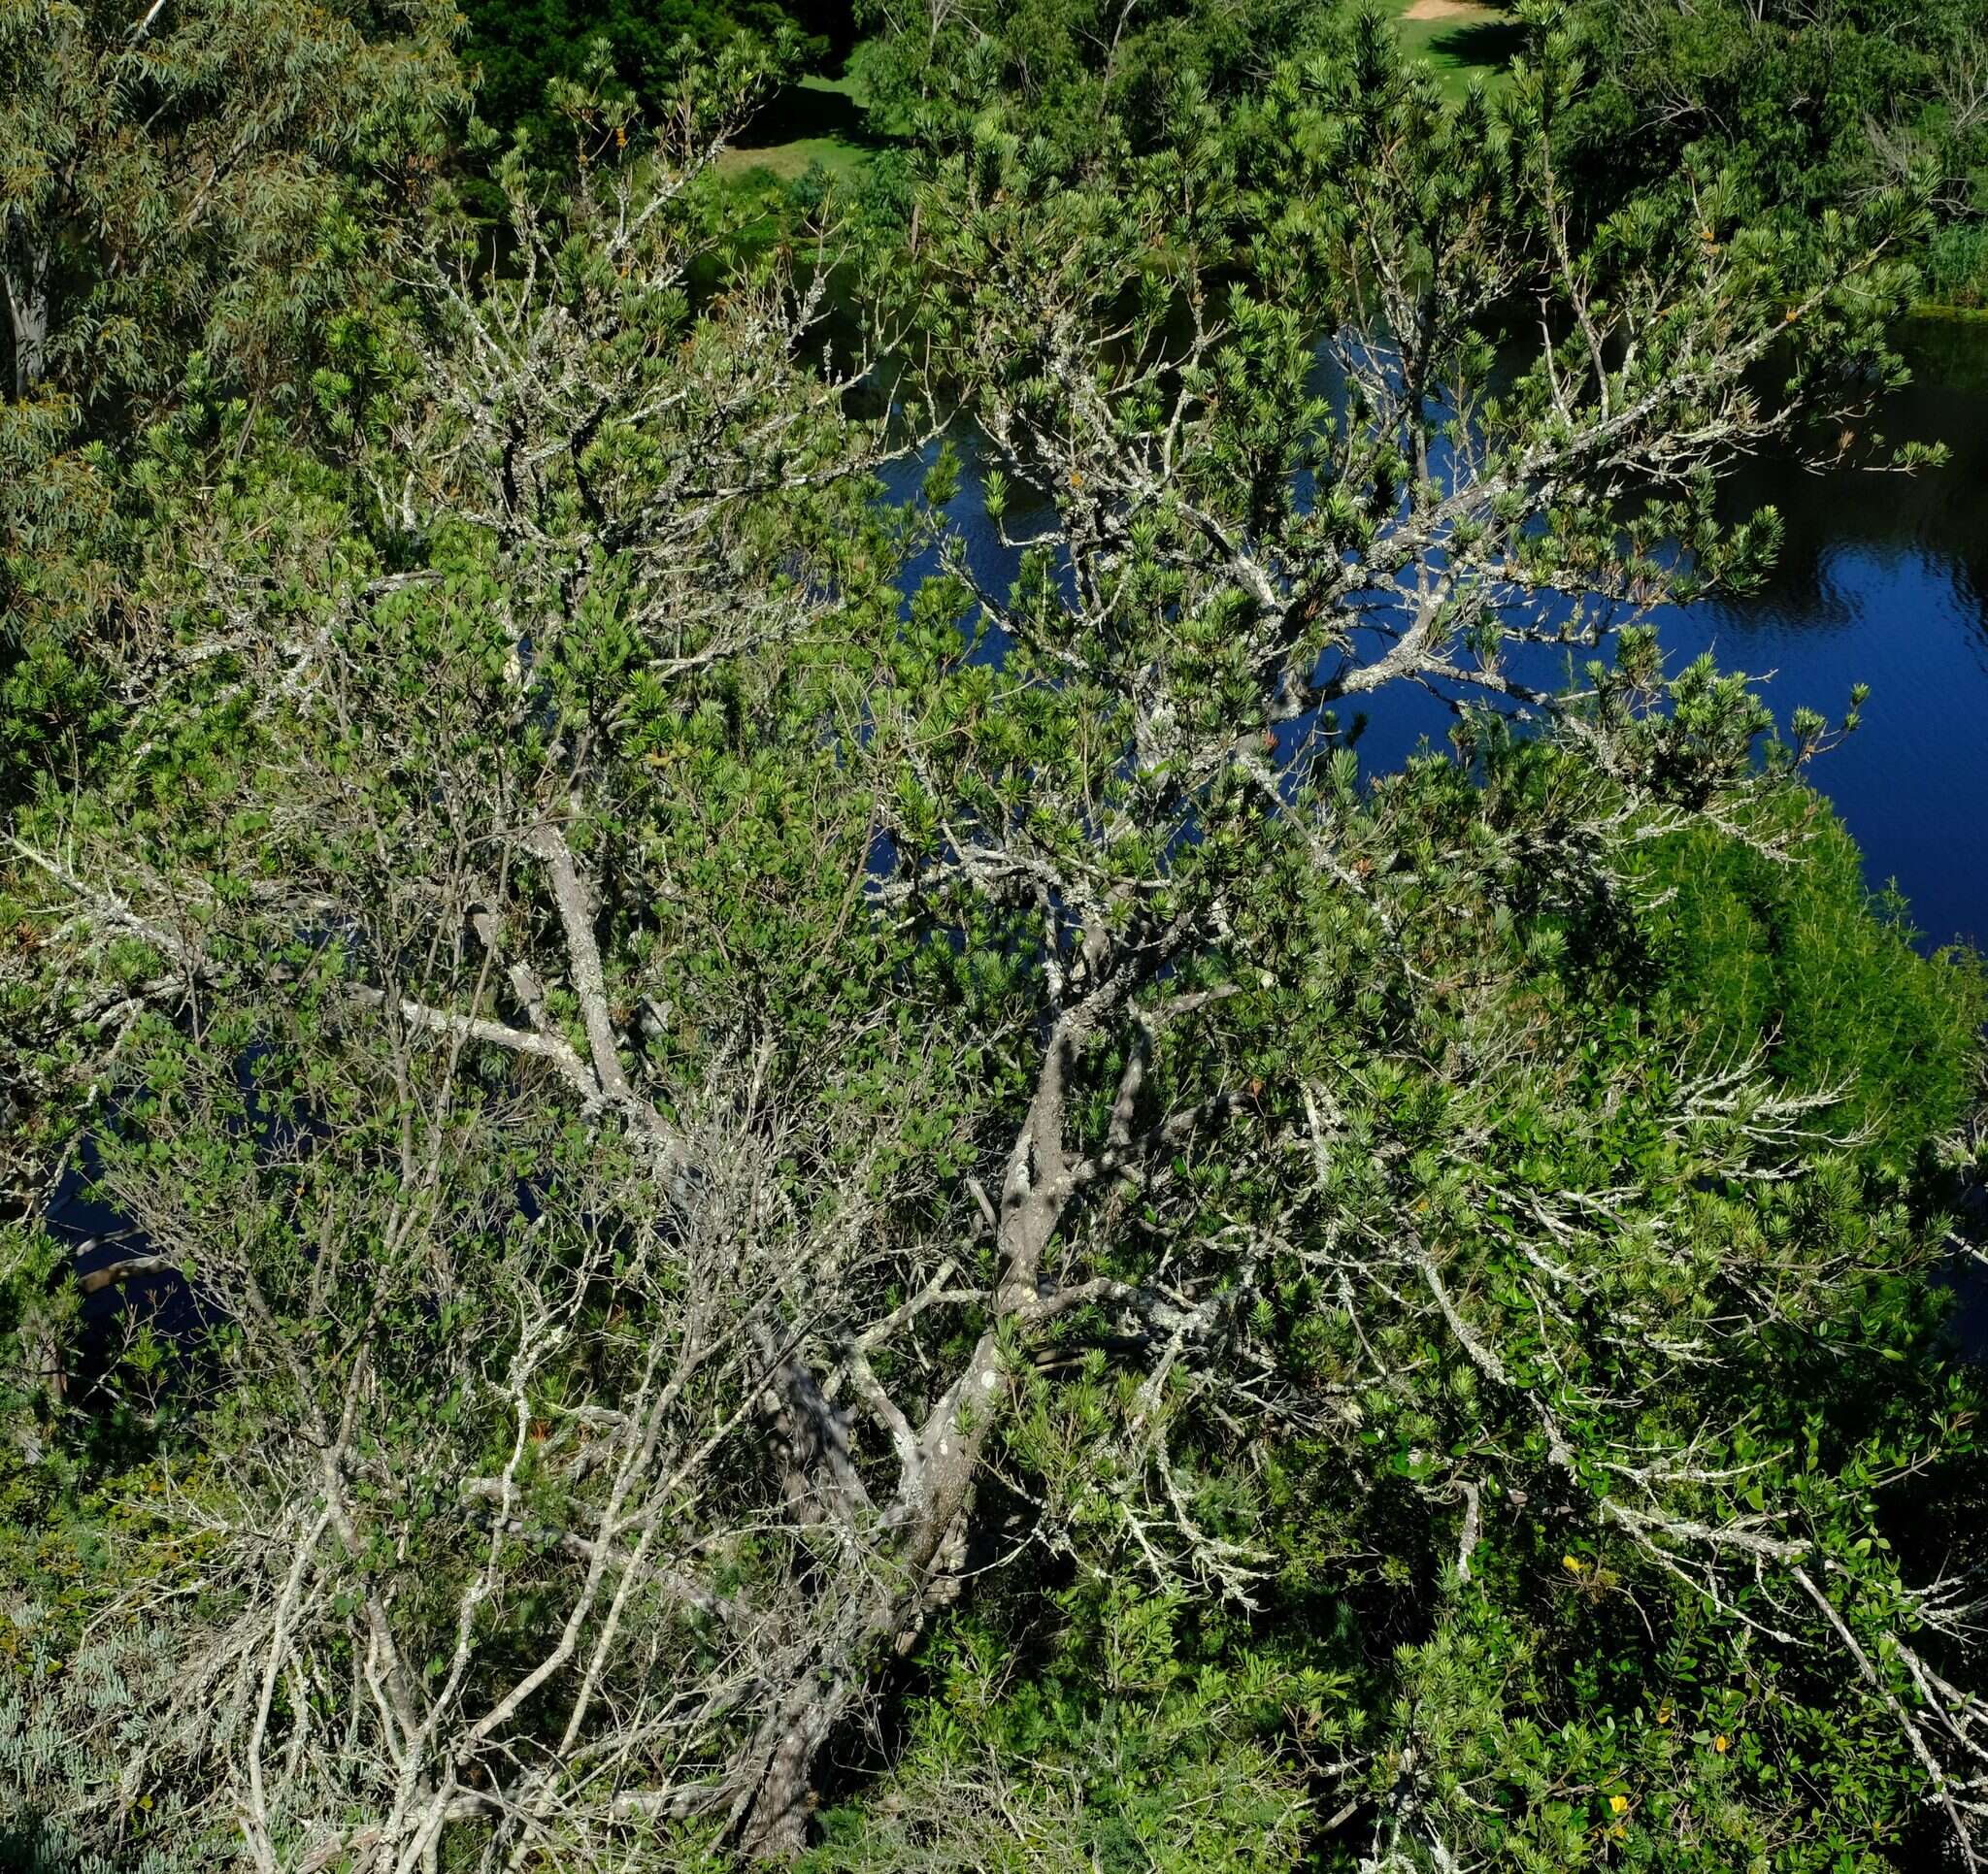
[198, 201]
[515, 49]
[1080, 78]
[1818, 104]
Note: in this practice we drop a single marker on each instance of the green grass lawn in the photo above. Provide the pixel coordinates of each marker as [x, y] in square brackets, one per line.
[1460, 40]
[814, 121]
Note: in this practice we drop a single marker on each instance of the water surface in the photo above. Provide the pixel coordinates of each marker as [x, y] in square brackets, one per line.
[1883, 580]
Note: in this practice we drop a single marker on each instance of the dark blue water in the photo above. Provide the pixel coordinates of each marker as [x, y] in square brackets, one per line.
[1882, 580]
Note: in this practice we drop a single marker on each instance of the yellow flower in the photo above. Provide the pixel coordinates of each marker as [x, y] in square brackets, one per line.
[1573, 1564]
[1720, 1742]
[1618, 1805]
[1664, 1714]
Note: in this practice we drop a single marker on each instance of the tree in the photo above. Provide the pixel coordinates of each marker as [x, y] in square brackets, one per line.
[518, 49]
[1818, 103]
[186, 178]
[212, 188]
[705, 1109]
[1080, 76]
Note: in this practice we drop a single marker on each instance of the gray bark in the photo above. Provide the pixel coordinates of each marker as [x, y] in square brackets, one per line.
[935, 1497]
[26, 272]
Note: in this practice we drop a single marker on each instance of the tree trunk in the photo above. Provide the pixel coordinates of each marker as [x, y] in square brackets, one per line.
[933, 1510]
[26, 273]
[774, 1827]
[770, 1820]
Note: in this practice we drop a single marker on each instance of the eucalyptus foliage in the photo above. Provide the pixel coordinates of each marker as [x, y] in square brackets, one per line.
[195, 200]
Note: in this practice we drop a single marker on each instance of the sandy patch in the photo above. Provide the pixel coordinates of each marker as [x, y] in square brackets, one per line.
[1446, 10]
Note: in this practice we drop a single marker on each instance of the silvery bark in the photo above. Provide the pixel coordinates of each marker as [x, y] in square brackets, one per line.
[26, 272]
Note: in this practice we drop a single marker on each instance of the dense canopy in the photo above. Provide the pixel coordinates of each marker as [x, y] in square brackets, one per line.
[733, 1128]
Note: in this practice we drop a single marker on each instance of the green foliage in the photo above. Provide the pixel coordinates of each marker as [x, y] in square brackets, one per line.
[1786, 952]
[1814, 105]
[196, 201]
[1122, 1744]
[517, 51]
[217, 181]
[68, 1719]
[1074, 79]
[764, 1133]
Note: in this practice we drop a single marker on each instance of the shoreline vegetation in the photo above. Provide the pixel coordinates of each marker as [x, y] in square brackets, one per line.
[821, 120]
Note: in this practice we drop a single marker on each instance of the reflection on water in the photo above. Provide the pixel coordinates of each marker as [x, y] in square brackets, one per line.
[1882, 580]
